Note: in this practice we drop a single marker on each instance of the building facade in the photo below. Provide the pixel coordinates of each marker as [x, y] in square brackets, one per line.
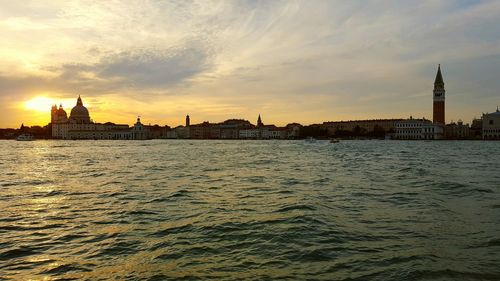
[491, 125]
[457, 131]
[417, 129]
[79, 125]
[388, 125]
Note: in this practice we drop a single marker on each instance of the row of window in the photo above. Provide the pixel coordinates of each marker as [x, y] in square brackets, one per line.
[415, 137]
[414, 131]
[410, 125]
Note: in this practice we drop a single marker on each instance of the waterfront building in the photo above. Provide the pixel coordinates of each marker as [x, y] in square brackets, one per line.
[476, 128]
[417, 129]
[273, 132]
[157, 131]
[491, 125]
[457, 131]
[249, 133]
[262, 131]
[293, 130]
[183, 132]
[172, 134]
[438, 108]
[139, 131]
[236, 129]
[332, 128]
[205, 130]
[79, 125]
[229, 129]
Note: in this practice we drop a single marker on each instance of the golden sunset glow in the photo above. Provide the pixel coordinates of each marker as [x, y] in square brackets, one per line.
[40, 104]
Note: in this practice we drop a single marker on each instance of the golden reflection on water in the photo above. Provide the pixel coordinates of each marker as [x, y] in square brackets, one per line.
[131, 210]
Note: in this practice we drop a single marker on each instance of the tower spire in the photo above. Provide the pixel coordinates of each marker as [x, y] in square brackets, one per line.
[438, 108]
[259, 122]
[439, 77]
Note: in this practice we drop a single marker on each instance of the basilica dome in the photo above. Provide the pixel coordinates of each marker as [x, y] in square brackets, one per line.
[79, 113]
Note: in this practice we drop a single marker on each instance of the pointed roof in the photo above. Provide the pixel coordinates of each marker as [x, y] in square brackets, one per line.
[439, 76]
[259, 122]
[79, 101]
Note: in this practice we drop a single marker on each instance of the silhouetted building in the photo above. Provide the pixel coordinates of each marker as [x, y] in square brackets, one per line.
[249, 133]
[438, 110]
[273, 132]
[79, 113]
[362, 126]
[179, 132]
[79, 125]
[205, 130]
[157, 131]
[259, 122]
[230, 129]
[457, 131]
[188, 121]
[293, 130]
[476, 128]
[139, 131]
[58, 115]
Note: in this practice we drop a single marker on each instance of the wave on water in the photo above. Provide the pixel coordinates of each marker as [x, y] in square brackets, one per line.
[170, 210]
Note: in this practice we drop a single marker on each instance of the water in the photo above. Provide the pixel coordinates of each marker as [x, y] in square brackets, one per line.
[255, 210]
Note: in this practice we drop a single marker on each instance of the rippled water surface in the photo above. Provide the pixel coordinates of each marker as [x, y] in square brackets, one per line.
[256, 210]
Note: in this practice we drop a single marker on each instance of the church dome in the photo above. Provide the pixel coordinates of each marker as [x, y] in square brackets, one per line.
[79, 113]
[61, 112]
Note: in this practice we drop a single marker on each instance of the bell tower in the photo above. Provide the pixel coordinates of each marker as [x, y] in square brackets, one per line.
[53, 114]
[259, 122]
[438, 99]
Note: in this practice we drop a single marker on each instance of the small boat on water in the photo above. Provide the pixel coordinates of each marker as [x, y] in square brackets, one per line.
[310, 139]
[25, 137]
[334, 140]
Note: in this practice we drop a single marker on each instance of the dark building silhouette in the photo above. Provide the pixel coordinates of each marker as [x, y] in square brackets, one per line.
[188, 121]
[80, 114]
[259, 122]
[438, 111]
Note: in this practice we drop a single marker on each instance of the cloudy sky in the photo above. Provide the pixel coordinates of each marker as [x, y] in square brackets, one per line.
[304, 61]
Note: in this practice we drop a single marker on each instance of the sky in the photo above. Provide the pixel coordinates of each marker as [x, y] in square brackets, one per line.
[290, 61]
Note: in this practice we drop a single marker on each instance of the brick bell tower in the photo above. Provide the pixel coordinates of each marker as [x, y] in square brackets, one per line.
[438, 100]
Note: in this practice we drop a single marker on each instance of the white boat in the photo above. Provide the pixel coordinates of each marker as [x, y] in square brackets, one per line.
[334, 140]
[25, 137]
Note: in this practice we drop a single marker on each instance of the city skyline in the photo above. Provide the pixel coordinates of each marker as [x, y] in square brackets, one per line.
[293, 61]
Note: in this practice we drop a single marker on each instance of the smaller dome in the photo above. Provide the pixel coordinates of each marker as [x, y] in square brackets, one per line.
[497, 112]
[61, 112]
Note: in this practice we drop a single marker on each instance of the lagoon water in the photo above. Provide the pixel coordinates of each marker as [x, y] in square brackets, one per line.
[252, 210]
